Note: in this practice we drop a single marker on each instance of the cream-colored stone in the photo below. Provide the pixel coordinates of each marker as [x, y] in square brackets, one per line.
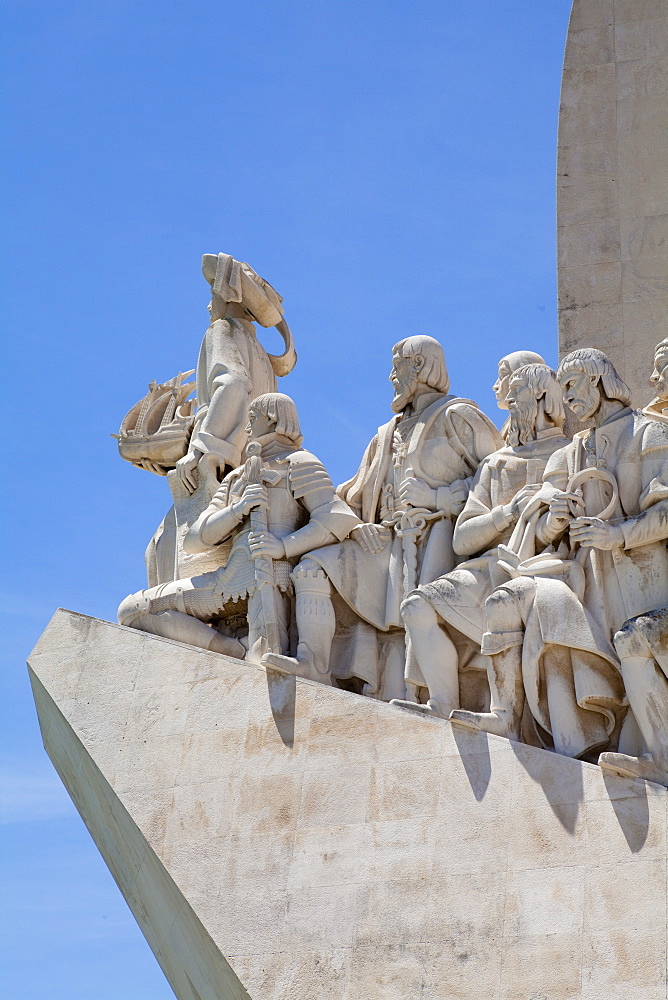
[591, 243]
[645, 39]
[327, 874]
[638, 10]
[644, 237]
[326, 856]
[260, 519]
[587, 112]
[503, 488]
[561, 903]
[623, 963]
[411, 484]
[591, 46]
[645, 278]
[612, 187]
[589, 13]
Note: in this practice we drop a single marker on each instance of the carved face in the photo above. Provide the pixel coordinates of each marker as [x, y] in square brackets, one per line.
[404, 377]
[523, 407]
[582, 393]
[659, 377]
[259, 424]
[500, 387]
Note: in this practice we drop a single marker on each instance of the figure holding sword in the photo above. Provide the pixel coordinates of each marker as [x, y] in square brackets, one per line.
[265, 515]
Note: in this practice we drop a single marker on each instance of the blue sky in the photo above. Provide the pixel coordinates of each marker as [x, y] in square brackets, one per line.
[389, 167]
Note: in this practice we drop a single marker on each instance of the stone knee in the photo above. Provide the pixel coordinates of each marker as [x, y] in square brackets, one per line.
[417, 612]
[133, 608]
[504, 620]
[313, 603]
[309, 577]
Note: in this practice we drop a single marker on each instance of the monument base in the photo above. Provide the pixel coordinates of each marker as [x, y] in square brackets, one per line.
[310, 843]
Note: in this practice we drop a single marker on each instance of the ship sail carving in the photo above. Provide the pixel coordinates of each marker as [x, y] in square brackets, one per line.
[155, 432]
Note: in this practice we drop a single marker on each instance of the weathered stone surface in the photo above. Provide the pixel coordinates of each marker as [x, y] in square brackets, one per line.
[612, 185]
[313, 844]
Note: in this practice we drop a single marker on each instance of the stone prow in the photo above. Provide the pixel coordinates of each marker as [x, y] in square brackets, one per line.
[307, 842]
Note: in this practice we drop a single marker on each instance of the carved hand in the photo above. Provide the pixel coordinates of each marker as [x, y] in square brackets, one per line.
[417, 493]
[520, 500]
[559, 514]
[459, 492]
[263, 543]
[596, 534]
[254, 495]
[371, 537]
[186, 470]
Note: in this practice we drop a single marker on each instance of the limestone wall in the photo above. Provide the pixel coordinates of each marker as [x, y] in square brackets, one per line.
[328, 847]
[612, 184]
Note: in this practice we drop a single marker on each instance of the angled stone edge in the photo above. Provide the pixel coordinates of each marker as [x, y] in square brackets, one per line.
[193, 965]
[323, 846]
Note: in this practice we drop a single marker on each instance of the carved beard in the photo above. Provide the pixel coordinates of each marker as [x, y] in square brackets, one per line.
[661, 384]
[522, 423]
[587, 405]
[404, 393]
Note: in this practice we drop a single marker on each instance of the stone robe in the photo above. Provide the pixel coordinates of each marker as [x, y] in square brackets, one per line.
[570, 667]
[459, 597]
[232, 369]
[441, 444]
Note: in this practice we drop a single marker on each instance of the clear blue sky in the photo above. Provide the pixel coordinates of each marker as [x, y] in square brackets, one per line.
[388, 166]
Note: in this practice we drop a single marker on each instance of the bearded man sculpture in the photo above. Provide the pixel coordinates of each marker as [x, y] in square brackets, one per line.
[413, 481]
[445, 617]
[658, 407]
[549, 630]
[216, 610]
[507, 365]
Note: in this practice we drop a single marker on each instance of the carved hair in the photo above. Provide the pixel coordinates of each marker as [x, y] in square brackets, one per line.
[661, 347]
[543, 383]
[592, 362]
[281, 410]
[433, 372]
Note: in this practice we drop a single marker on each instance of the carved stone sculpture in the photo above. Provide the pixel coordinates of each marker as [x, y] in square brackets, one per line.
[658, 408]
[233, 367]
[155, 432]
[413, 481]
[642, 646]
[550, 628]
[445, 618]
[249, 597]
[507, 365]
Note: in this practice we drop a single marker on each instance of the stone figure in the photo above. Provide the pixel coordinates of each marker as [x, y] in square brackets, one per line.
[445, 617]
[233, 367]
[549, 630]
[658, 407]
[218, 609]
[507, 365]
[413, 481]
[642, 646]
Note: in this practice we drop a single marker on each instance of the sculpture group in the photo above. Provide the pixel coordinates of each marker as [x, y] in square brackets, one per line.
[515, 582]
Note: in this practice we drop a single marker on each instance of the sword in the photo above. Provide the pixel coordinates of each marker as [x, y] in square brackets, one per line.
[263, 566]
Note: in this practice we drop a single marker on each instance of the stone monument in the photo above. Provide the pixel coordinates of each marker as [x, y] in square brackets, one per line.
[612, 185]
[406, 737]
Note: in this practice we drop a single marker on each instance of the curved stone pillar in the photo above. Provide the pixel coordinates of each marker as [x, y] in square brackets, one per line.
[612, 184]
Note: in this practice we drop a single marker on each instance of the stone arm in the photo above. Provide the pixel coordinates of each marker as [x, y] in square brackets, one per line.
[480, 526]
[216, 422]
[651, 524]
[475, 432]
[556, 475]
[330, 518]
[474, 437]
[215, 524]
